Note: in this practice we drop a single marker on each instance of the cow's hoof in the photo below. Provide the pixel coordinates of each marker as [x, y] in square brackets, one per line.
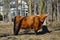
[36, 33]
[15, 34]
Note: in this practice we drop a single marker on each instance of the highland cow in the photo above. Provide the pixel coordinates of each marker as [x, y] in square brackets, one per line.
[29, 22]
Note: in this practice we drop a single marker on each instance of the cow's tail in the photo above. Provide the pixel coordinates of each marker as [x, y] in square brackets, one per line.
[18, 27]
[14, 25]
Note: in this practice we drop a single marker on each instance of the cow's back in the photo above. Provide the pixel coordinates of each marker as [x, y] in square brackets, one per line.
[27, 22]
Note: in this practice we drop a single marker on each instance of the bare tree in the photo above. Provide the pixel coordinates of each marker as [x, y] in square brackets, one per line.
[58, 15]
[29, 5]
[34, 7]
[21, 9]
[41, 6]
[7, 10]
[16, 2]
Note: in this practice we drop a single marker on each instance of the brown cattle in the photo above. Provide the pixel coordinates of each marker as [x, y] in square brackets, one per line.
[29, 22]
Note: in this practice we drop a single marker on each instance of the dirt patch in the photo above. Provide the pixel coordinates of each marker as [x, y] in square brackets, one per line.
[6, 33]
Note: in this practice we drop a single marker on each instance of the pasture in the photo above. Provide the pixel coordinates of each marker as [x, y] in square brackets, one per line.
[6, 33]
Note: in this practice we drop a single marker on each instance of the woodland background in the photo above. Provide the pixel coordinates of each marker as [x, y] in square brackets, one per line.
[34, 7]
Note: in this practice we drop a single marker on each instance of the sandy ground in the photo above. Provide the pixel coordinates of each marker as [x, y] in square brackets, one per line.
[6, 33]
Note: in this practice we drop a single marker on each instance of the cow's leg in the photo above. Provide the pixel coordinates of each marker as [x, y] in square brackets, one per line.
[16, 27]
[35, 29]
[36, 32]
[16, 31]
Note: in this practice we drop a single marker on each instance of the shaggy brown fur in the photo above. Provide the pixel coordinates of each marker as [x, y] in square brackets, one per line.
[29, 22]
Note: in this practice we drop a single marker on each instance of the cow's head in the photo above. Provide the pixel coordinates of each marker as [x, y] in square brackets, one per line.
[43, 17]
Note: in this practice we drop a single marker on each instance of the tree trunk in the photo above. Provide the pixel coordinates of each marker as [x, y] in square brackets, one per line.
[7, 13]
[58, 15]
[41, 6]
[34, 7]
[29, 2]
[16, 7]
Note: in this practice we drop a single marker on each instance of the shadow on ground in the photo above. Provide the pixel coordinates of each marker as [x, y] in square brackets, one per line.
[44, 31]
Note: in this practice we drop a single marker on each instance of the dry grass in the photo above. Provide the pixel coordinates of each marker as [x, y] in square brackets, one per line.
[6, 33]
